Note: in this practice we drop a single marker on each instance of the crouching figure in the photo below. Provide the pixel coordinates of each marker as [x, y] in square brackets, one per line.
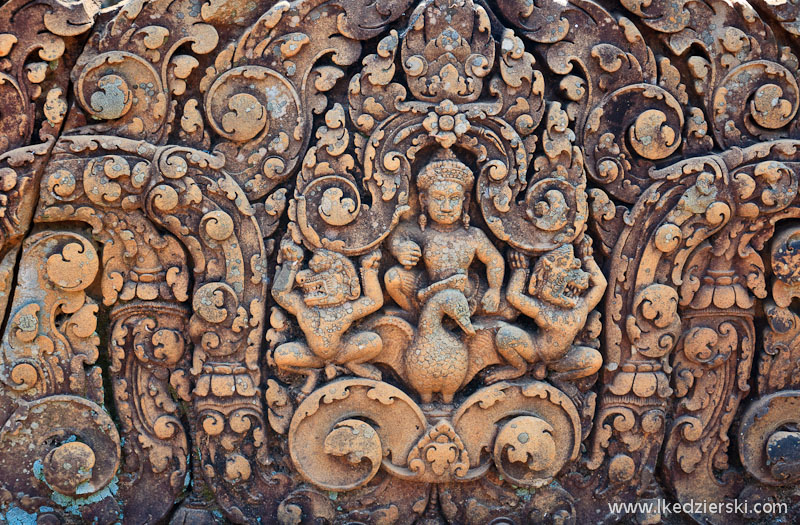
[330, 302]
[561, 296]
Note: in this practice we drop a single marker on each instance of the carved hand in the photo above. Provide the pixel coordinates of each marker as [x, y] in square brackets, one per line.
[371, 260]
[491, 300]
[584, 249]
[291, 252]
[408, 253]
[518, 260]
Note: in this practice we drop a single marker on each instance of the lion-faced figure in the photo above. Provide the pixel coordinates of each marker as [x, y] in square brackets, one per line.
[331, 280]
[558, 278]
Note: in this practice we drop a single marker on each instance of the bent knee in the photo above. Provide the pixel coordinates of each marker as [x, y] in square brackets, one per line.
[369, 344]
[591, 359]
[582, 361]
[288, 354]
[511, 337]
[392, 277]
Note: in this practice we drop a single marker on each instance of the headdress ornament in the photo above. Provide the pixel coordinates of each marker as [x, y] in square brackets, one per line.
[444, 165]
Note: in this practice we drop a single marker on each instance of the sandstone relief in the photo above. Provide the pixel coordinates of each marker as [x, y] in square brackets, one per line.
[393, 262]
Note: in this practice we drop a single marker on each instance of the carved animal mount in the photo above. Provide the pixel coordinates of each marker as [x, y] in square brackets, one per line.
[437, 360]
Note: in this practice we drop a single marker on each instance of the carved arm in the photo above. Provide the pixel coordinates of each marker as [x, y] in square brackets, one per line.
[373, 293]
[285, 278]
[526, 304]
[598, 283]
[495, 264]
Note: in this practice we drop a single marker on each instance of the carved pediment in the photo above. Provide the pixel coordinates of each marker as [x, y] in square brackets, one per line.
[395, 262]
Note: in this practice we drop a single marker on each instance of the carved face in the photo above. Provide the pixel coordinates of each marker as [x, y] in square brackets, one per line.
[445, 201]
[559, 279]
[328, 281]
[786, 256]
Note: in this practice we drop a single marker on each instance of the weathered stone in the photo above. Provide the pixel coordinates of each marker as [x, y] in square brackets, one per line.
[345, 261]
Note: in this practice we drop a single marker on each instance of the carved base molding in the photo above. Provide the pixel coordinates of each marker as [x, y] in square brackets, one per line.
[395, 262]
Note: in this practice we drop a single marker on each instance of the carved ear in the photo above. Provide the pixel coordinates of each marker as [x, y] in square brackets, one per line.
[355, 289]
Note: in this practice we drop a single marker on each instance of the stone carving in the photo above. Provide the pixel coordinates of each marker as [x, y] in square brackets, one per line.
[447, 246]
[398, 262]
[330, 302]
[561, 298]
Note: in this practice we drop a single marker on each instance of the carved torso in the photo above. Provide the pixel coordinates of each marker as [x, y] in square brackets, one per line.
[327, 324]
[450, 252]
[445, 253]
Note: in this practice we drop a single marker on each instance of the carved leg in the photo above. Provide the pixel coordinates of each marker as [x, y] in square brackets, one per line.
[516, 347]
[357, 350]
[331, 371]
[580, 361]
[402, 285]
[298, 358]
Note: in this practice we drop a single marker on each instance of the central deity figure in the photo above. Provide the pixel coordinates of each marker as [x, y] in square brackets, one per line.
[437, 360]
[448, 245]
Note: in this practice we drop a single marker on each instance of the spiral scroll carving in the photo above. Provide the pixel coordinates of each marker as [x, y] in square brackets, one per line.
[394, 262]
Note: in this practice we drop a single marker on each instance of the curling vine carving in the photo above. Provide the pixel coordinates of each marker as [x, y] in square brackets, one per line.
[394, 262]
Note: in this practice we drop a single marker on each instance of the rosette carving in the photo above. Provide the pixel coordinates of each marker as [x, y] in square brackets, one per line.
[218, 228]
[753, 100]
[20, 170]
[262, 91]
[67, 447]
[37, 43]
[712, 268]
[607, 75]
[328, 207]
[784, 259]
[778, 365]
[44, 354]
[341, 435]
[734, 59]
[552, 210]
[111, 96]
[125, 82]
[450, 109]
[622, 142]
[768, 439]
[439, 349]
[148, 358]
[131, 194]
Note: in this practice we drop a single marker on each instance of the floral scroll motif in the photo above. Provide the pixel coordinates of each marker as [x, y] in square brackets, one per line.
[394, 262]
